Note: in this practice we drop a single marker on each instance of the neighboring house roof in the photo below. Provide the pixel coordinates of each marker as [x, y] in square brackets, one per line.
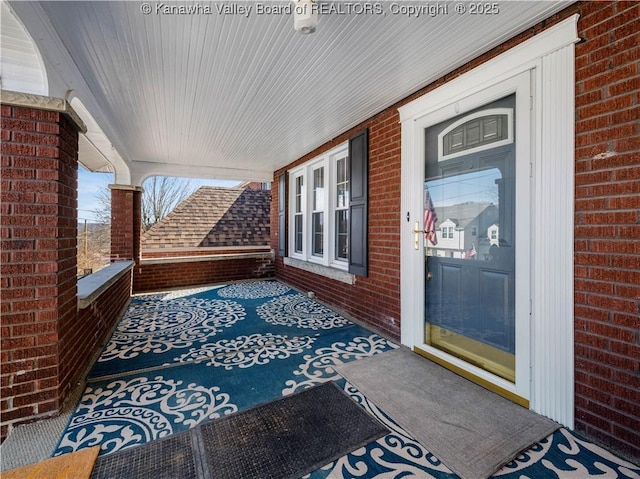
[214, 217]
[462, 214]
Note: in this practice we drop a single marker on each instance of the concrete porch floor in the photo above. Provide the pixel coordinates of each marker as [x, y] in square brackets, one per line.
[182, 358]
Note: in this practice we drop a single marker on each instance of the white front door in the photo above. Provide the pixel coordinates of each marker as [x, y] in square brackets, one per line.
[540, 73]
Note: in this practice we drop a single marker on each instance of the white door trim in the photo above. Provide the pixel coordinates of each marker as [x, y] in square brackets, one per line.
[550, 58]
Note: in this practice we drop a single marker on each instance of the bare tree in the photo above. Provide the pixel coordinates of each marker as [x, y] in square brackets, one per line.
[102, 214]
[94, 243]
[161, 195]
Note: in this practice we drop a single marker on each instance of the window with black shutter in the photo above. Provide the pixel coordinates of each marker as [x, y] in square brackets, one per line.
[328, 208]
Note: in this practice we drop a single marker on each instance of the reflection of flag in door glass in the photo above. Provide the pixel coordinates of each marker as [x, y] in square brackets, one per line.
[430, 218]
[471, 253]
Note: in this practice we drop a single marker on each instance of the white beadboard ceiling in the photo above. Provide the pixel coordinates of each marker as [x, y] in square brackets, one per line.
[21, 67]
[237, 97]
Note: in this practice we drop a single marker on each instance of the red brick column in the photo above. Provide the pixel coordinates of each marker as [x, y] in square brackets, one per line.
[38, 270]
[126, 222]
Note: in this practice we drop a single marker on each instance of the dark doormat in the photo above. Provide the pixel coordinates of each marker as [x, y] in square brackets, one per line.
[289, 437]
[283, 439]
[173, 457]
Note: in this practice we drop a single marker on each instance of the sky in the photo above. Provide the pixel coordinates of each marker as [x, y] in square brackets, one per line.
[89, 184]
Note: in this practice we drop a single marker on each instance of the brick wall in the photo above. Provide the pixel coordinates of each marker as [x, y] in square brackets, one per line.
[376, 298]
[607, 260]
[93, 327]
[169, 274]
[126, 222]
[607, 228]
[254, 185]
[39, 230]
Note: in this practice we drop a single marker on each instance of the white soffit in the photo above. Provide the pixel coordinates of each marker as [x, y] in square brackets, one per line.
[91, 158]
[95, 151]
[221, 93]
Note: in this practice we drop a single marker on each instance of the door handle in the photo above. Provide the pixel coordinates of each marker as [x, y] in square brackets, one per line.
[416, 235]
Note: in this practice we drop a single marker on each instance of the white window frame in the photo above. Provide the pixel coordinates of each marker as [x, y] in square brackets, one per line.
[318, 207]
[293, 211]
[328, 161]
[336, 208]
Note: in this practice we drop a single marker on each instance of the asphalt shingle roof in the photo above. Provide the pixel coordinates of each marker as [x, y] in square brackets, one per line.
[214, 217]
[461, 214]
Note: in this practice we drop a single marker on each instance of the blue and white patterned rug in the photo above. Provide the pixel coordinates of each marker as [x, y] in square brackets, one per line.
[179, 359]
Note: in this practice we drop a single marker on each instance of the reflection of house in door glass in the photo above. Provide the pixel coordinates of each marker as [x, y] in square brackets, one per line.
[467, 208]
[493, 234]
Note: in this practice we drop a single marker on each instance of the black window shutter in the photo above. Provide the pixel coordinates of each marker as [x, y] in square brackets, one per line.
[359, 179]
[282, 191]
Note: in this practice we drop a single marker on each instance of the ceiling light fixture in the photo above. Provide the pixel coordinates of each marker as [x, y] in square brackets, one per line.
[305, 16]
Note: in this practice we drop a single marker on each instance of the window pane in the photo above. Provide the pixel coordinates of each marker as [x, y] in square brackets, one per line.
[341, 170]
[299, 194]
[474, 133]
[298, 233]
[342, 184]
[318, 234]
[456, 139]
[342, 194]
[342, 234]
[318, 189]
[490, 128]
